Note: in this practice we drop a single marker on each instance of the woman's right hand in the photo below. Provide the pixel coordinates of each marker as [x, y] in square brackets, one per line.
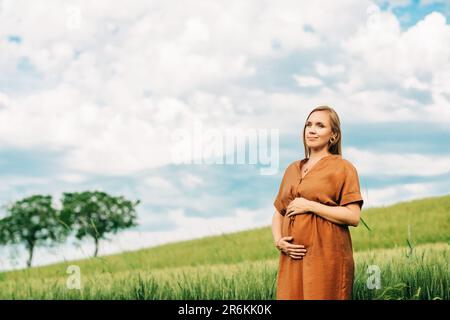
[295, 251]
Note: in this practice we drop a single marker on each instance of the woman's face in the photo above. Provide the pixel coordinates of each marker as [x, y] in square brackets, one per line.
[318, 130]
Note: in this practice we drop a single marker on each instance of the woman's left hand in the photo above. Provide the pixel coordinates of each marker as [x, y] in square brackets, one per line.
[298, 206]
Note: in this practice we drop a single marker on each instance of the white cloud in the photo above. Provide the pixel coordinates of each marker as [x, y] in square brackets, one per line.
[72, 178]
[111, 103]
[386, 55]
[157, 182]
[414, 83]
[307, 81]
[191, 181]
[375, 197]
[329, 70]
[394, 164]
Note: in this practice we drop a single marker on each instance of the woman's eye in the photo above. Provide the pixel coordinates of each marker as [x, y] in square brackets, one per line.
[320, 125]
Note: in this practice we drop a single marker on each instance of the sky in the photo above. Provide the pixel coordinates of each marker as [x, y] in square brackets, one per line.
[95, 96]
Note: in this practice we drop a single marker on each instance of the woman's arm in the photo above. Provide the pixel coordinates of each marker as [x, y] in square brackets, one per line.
[347, 215]
[295, 251]
[276, 226]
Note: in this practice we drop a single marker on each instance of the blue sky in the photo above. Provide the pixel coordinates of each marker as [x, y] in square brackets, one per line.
[90, 96]
[414, 10]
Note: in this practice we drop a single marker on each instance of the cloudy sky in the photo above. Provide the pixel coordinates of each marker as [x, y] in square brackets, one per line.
[93, 97]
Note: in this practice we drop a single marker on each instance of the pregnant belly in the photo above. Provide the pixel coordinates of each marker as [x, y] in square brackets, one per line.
[300, 228]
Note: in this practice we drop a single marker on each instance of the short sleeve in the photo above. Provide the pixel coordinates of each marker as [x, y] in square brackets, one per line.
[284, 189]
[350, 191]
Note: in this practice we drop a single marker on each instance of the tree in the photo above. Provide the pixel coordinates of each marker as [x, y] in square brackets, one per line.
[33, 221]
[95, 214]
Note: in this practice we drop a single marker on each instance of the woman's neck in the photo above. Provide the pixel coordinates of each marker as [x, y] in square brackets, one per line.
[318, 155]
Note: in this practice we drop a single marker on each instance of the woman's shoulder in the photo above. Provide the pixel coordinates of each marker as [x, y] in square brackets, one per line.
[293, 165]
[344, 163]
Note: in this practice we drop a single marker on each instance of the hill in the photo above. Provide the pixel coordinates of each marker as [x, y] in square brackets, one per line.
[427, 221]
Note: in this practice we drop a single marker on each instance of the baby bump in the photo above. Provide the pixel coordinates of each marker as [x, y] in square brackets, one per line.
[300, 228]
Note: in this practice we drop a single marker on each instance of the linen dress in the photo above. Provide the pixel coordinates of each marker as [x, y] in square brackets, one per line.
[327, 269]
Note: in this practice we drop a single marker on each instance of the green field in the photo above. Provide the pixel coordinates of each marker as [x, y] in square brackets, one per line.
[409, 242]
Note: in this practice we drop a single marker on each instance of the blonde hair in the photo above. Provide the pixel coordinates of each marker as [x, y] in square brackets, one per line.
[335, 147]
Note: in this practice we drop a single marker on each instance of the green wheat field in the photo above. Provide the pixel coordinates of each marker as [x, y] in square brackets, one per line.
[409, 243]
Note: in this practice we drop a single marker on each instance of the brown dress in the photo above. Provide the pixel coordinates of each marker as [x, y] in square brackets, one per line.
[327, 269]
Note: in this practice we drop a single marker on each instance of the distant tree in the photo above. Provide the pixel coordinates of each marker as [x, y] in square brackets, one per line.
[33, 221]
[95, 214]
[4, 233]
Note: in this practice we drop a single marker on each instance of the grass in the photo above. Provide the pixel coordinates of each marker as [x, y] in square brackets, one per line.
[243, 265]
[423, 221]
[422, 274]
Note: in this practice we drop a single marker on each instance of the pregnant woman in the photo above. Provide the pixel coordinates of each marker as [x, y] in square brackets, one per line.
[318, 198]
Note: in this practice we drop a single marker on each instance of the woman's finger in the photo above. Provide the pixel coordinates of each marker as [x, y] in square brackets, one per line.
[297, 253]
[295, 246]
[298, 250]
[294, 249]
